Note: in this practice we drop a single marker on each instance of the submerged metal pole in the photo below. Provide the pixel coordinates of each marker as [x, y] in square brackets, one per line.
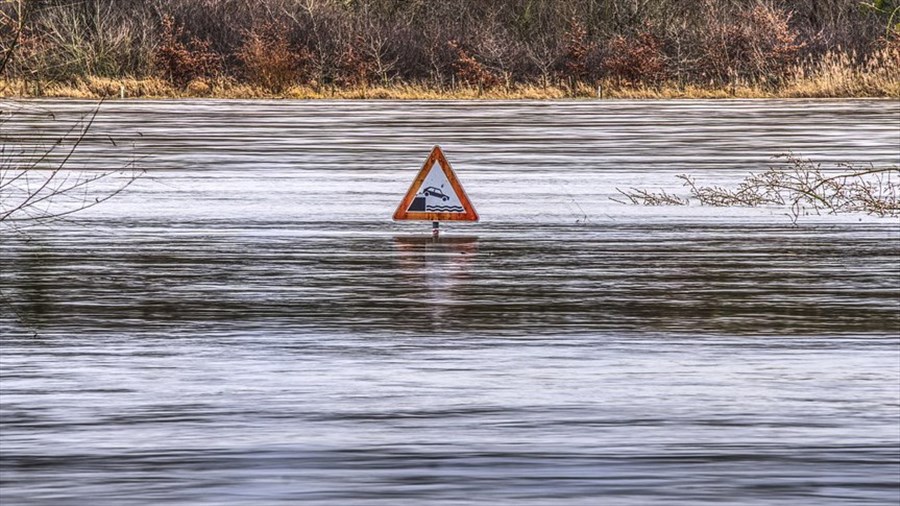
[435, 229]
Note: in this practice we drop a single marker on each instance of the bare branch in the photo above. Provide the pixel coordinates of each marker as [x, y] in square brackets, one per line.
[800, 184]
[31, 193]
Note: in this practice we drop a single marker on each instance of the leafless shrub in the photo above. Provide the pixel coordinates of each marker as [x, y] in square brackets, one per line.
[806, 188]
[640, 197]
[13, 31]
[64, 41]
[375, 38]
[757, 44]
[800, 184]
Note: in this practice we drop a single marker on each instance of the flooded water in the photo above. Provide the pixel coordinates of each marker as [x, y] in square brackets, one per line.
[247, 325]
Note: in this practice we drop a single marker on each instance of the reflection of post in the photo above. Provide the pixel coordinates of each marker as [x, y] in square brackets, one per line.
[435, 230]
[437, 276]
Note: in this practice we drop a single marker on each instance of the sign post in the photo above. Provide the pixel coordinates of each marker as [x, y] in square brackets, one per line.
[436, 195]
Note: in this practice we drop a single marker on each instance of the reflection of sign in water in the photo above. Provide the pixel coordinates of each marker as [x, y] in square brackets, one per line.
[436, 194]
[439, 273]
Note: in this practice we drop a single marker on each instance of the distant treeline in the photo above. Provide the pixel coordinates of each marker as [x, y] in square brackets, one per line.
[276, 44]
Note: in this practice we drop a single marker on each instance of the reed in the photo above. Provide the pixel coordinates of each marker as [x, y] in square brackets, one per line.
[842, 74]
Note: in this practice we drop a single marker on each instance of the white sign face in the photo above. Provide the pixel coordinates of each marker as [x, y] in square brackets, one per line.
[436, 195]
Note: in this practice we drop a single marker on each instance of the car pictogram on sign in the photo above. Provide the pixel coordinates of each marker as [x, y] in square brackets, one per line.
[435, 192]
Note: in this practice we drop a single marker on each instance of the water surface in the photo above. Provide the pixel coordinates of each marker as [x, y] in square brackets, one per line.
[246, 324]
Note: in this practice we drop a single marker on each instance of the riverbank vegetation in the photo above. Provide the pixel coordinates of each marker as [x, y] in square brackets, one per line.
[450, 49]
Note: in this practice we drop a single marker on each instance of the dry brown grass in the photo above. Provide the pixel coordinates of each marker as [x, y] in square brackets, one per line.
[842, 75]
[836, 75]
[94, 88]
[90, 88]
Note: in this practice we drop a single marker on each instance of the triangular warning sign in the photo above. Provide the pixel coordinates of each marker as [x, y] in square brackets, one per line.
[436, 194]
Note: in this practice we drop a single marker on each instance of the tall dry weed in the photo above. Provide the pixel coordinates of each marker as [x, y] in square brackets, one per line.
[845, 74]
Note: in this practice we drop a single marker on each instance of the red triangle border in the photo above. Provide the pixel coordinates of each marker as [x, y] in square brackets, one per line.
[437, 155]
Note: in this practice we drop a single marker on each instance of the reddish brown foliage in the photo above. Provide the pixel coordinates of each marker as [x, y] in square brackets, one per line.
[636, 59]
[578, 51]
[471, 71]
[181, 62]
[269, 60]
[353, 68]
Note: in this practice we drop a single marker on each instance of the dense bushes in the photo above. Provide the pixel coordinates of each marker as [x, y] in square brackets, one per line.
[275, 44]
